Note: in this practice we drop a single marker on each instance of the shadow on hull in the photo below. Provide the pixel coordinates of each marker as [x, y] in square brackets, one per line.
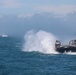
[65, 48]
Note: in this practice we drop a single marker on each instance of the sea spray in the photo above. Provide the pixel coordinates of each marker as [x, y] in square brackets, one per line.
[40, 41]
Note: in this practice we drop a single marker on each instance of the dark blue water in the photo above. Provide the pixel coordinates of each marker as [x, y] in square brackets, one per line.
[13, 61]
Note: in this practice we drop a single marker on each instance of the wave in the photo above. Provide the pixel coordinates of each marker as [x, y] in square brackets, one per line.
[40, 41]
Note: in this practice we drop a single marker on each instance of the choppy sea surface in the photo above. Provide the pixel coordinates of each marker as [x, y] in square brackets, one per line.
[14, 61]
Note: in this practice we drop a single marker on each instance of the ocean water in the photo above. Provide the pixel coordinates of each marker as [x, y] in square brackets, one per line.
[14, 61]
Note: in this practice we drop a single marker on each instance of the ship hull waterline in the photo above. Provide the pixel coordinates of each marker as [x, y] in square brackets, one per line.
[66, 49]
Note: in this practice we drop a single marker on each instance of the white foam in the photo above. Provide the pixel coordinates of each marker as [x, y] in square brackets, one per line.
[70, 53]
[40, 41]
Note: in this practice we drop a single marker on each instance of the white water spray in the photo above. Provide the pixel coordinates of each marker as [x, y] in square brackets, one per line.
[40, 41]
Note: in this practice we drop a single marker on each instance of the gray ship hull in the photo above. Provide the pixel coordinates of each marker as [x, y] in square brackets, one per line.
[66, 48]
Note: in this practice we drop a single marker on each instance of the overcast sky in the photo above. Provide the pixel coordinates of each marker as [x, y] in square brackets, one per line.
[37, 6]
[56, 16]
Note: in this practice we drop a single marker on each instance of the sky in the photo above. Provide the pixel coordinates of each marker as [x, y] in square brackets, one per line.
[55, 16]
[37, 6]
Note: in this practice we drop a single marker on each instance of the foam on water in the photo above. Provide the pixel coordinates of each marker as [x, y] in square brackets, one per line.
[40, 41]
[70, 53]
